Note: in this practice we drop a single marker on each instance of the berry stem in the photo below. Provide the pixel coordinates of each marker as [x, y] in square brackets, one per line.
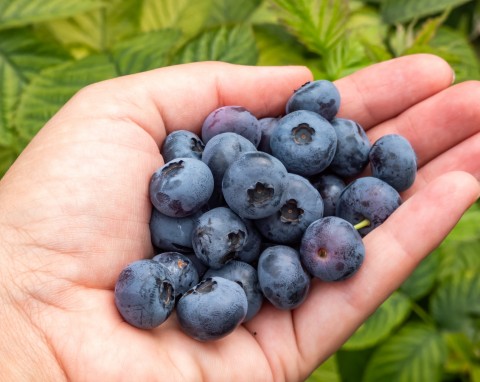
[364, 223]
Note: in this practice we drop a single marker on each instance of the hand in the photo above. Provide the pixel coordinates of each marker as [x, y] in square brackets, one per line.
[75, 210]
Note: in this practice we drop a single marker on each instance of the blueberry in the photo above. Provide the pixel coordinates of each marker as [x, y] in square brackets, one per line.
[367, 198]
[267, 125]
[212, 309]
[353, 147]
[393, 160]
[282, 278]
[246, 276]
[254, 185]
[182, 144]
[330, 187]
[217, 237]
[235, 119]
[183, 273]
[319, 96]
[304, 142]
[199, 265]
[303, 206]
[181, 187]
[252, 248]
[144, 294]
[172, 234]
[332, 249]
[222, 150]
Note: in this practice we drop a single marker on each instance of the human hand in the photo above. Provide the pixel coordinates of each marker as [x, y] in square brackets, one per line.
[75, 210]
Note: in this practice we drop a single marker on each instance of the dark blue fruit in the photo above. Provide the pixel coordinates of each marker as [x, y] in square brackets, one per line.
[353, 147]
[197, 263]
[144, 294]
[393, 160]
[330, 187]
[267, 125]
[303, 206]
[212, 309]
[218, 236]
[181, 187]
[320, 96]
[282, 278]
[246, 276]
[304, 142]
[252, 248]
[235, 119]
[332, 249]
[367, 198]
[222, 150]
[182, 144]
[182, 271]
[254, 185]
[170, 233]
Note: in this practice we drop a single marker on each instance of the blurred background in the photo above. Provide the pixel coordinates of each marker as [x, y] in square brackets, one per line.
[429, 330]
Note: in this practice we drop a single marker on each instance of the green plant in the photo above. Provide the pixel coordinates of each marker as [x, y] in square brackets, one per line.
[50, 49]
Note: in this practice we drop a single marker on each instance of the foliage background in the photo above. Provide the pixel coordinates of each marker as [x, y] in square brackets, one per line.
[429, 330]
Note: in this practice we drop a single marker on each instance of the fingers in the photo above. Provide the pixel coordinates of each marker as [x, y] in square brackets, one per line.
[438, 123]
[334, 310]
[181, 97]
[382, 91]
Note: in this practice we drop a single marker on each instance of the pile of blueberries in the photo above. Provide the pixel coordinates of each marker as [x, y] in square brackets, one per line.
[255, 208]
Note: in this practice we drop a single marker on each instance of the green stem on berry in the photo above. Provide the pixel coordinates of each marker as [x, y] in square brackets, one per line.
[364, 223]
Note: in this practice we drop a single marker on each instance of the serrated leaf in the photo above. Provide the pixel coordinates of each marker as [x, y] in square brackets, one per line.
[277, 47]
[145, 51]
[228, 44]
[415, 354]
[429, 29]
[394, 11]
[52, 88]
[455, 304]
[185, 15]
[231, 11]
[326, 372]
[381, 323]
[98, 30]
[14, 13]
[422, 280]
[318, 24]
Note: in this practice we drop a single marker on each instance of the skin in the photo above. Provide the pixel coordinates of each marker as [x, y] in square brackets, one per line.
[74, 210]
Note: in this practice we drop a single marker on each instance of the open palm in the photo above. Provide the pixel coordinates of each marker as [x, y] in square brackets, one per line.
[75, 211]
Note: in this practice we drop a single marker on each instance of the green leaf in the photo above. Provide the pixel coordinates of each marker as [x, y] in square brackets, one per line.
[52, 88]
[318, 24]
[231, 11]
[423, 278]
[415, 354]
[229, 44]
[14, 13]
[144, 52]
[455, 304]
[95, 31]
[394, 11]
[429, 29]
[326, 372]
[381, 323]
[22, 56]
[352, 363]
[343, 59]
[185, 15]
[277, 47]
[461, 353]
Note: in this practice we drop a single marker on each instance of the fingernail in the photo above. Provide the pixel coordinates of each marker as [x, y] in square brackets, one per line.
[453, 76]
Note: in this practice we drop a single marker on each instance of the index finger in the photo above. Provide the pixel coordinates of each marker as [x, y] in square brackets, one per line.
[382, 91]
